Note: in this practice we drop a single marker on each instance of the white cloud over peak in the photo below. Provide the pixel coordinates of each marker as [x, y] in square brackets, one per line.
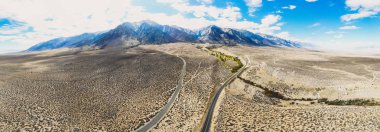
[269, 24]
[253, 5]
[270, 19]
[364, 8]
[59, 18]
[229, 17]
[66, 17]
[230, 12]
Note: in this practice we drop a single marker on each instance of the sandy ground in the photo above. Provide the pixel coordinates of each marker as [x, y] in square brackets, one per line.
[299, 74]
[119, 90]
[239, 115]
[67, 90]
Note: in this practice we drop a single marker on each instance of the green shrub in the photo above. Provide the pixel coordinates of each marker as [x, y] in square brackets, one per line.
[223, 57]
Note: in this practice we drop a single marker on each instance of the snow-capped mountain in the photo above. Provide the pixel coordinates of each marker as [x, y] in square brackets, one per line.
[148, 32]
[228, 36]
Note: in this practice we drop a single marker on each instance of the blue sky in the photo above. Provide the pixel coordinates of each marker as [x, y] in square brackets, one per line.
[338, 25]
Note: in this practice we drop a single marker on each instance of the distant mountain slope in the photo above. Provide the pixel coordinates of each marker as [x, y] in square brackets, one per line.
[75, 41]
[283, 42]
[148, 32]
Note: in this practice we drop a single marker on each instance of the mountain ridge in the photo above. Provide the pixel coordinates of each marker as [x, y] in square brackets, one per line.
[149, 32]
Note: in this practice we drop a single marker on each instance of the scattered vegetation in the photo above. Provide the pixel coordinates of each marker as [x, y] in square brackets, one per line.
[267, 91]
[224, 58]
[278, 95]
[238, 115]
[213, 47]
[357, 102]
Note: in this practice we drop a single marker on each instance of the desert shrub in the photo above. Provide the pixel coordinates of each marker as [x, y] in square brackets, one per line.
[357, 102]
[224, 57]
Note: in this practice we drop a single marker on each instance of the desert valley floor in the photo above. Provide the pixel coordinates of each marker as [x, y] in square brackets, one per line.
[121, 89]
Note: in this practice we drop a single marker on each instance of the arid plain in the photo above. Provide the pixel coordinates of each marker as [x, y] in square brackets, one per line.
[85, 90]
[287, 89]
[122, 89]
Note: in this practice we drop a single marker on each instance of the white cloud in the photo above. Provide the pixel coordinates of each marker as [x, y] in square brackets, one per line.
[270, 19]
[61, 18]
[365, 4]
[269, 24]
[67, 17]
[205, 1]
[286, 35]
[311, 0]
[172, 1]
[317, 24]
[290, 7]
[348, 27]
[360, 14]
[330, 32]
[347, 46]
[334, 32]
[364, 8]
[13, 28]
[230, 12]
[14, 43]
[253, 5]
[338, 36]
[229, 17]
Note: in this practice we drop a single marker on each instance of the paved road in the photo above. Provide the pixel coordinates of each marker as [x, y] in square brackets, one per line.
[158, 117]
[207, 124]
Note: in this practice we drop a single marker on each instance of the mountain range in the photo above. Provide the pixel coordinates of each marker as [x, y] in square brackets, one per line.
[148, 32]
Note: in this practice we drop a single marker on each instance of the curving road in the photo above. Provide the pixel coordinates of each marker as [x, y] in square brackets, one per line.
[164, 110]
[210, 111]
